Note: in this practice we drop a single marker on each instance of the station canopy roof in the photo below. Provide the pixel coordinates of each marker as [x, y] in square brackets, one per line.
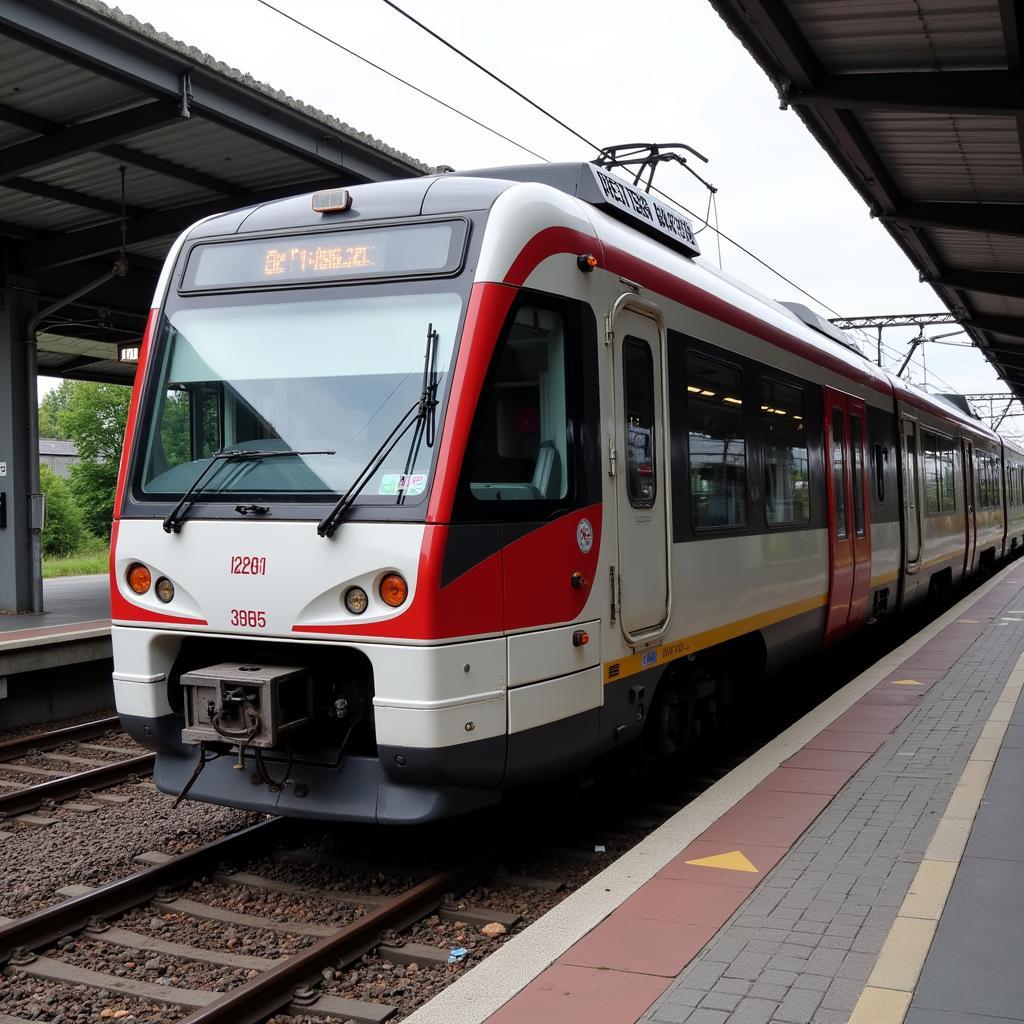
[921, 105]
[86, 91]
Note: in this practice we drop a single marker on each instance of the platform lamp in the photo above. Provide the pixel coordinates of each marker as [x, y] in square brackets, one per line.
[128, 353]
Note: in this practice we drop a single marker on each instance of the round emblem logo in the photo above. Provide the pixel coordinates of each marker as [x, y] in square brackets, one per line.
[585, 536]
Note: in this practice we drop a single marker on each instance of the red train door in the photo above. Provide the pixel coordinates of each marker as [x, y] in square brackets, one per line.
[849, 528]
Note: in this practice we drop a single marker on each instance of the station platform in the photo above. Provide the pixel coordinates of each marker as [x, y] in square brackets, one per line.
[865, 866]
[74, 630]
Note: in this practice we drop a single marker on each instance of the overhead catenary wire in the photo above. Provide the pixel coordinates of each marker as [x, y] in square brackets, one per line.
[377, 67]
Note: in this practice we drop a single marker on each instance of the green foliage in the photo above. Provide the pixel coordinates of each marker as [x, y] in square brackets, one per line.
[94, 557]
[64, 533]
[93, 485]
[93, 416]
[50, 408]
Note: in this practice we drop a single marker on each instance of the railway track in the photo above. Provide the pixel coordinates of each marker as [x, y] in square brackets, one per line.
[283, 983]
[18, 796]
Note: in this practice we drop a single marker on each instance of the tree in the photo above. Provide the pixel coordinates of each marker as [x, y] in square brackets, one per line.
[50, 408]
[64, 532]
[94, 417]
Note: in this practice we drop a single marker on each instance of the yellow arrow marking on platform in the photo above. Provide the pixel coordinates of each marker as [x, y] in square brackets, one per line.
[734, 861]
[905, 682]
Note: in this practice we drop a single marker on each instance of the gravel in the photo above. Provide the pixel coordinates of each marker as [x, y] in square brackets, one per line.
[99, 847]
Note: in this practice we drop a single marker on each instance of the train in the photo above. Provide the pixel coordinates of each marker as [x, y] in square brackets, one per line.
[434, 488]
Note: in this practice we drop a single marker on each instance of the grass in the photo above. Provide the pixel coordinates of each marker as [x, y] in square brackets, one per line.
[92, 558]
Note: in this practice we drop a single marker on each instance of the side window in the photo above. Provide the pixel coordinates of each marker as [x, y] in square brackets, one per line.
[786, 477]
[519, 448]
[839, 472]
[717, 447]
[881, 463]
[641, 435]
[930, 444]
[857, 450]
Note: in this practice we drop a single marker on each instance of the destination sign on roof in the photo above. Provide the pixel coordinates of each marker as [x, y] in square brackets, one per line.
[642, 210]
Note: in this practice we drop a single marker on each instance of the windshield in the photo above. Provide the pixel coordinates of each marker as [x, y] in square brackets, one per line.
[328, 376]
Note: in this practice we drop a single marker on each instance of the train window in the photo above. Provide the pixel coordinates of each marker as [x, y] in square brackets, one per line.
[786, 478]
[881, 462]
[986, 469]
[857, 450]
[638, 388]
[939, 473]
[839, 472]
[718, 453]
[519, 448]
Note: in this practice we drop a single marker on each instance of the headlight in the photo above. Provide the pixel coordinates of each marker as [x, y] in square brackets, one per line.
[393, 590]
[356, 600]
[139, 578]
[165, 590]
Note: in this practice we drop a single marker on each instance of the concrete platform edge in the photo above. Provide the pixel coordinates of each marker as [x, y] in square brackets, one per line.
[482, 991]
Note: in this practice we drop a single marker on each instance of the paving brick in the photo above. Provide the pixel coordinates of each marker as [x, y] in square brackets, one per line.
[754, 1011]
[842, 994]
[773, 977]
[707, 1017]
[720, 1001]
[734, 986]
[766, 990]
[799, 1006]
[814, 982]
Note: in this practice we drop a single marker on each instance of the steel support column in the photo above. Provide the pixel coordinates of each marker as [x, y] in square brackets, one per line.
[16, 592]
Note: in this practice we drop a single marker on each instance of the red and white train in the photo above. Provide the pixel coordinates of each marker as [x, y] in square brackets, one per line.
[440, 486]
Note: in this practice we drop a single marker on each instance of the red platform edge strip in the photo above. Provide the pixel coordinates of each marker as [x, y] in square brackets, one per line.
[617, 970]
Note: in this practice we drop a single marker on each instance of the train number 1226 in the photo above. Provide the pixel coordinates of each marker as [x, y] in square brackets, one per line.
[248, 565]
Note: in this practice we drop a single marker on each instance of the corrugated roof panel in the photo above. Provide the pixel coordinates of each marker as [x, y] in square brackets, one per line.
[997, 305]
[98, 175]
[945, 157]
[39, 214]
[973, 250]
[156, 247]
[902, 35]
[33, 81]
[225, 154]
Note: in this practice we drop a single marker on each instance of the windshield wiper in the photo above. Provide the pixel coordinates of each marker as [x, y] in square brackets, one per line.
[172, 524]
[423, 412]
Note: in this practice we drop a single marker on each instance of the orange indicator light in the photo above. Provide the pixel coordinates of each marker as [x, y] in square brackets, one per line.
[139, 578]
[393, 590]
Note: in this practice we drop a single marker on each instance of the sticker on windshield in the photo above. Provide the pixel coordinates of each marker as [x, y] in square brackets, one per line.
[397, 483]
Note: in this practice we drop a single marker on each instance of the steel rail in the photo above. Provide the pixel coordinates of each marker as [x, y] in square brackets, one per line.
[22, 745]
[23, 800]
[276, 988]
[47, 925]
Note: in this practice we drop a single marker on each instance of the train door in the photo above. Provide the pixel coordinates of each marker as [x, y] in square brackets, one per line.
[849, 525]
[642, 485]
[970, 517]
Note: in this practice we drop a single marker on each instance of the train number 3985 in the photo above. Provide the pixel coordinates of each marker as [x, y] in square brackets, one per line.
[248, 617]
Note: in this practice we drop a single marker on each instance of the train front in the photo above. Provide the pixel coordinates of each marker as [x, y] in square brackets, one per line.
[271, 569]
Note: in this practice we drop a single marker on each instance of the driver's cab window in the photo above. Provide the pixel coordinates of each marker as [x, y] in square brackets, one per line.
[519, 450]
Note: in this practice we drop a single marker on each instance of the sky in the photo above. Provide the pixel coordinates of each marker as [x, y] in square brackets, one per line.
[648, 71]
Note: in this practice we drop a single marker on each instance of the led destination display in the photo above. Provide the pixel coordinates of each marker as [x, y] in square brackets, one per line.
[405, 249]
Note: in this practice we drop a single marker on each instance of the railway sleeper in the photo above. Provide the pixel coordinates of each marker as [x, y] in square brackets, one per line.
[60, 971]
